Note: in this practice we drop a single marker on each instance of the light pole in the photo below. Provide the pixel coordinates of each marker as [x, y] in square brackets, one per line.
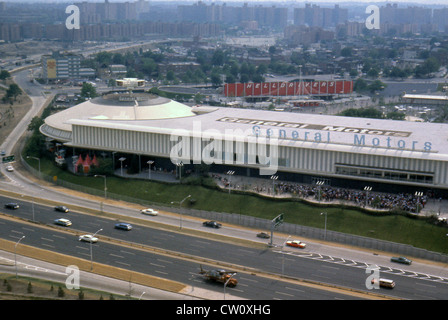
[15, 253]
[320, 184]
[418, 194]
[180, 165]
[28, 157]
[150, 162]
[325, 230]
[367, 189]
[91, 249]
[225, 284]
[121, 164]
[283, 255]
[105, 183]
[230, 173]
[273, 178]
[180, 209]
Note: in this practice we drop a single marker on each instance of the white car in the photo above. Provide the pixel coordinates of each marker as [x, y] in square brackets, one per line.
[63, 222]
[88, 238]
[10, 168]
[150, 212]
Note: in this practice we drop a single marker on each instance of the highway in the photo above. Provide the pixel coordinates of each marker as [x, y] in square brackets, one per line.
[318, 262]
[180, 265]
[169, 266]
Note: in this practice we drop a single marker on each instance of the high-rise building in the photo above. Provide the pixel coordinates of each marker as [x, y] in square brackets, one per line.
[62, 66]
[315, 16]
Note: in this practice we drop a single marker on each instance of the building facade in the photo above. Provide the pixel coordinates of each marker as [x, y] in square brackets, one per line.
[389, 155]
[61, 66]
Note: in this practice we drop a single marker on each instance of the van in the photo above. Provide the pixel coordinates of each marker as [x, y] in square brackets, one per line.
[386, 283]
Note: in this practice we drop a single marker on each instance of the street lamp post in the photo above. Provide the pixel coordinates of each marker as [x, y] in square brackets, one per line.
[418, 194]
[91, 249]
[225, 284]
[150, 162]
[180, 165]
[230, 173]
[105, 184]
[283, 255]
[121, 164]
[367, 189]
[320, 184]
[180, 209]
[15, 253]
[273, 178]
[325, 230]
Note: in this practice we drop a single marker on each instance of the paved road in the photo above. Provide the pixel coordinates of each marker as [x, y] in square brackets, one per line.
[320, 261]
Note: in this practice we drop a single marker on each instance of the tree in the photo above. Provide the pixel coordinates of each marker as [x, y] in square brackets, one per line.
[216, 79]
[347, 52]
[170, 76]
[218, 58]
[360, 85]
[88, 90]
[35, 124]
[430, 65]
[376, 85]
[4, 74]
[13, 91]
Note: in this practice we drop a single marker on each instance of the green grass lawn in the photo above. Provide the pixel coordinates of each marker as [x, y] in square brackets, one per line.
[390, 227]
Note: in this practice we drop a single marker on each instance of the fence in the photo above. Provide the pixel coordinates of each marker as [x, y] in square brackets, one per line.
[264, 224]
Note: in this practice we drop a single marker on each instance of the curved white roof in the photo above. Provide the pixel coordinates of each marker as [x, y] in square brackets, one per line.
[120, 107]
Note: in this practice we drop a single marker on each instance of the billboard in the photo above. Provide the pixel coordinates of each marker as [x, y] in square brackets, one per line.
[51, 68]
[252, 89]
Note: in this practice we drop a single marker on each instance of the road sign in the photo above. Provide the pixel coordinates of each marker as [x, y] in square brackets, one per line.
[8, 159]
[278, 220]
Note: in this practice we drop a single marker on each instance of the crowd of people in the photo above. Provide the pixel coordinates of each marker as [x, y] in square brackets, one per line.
[387, 201]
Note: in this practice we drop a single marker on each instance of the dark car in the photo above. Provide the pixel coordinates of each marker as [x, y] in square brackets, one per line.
[263, 235]
[61, 209]
[123, 226]
[211, 224]
[401, 260]
[12, 206]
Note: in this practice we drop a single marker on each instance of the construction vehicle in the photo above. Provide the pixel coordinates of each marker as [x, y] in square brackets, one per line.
[220, 275]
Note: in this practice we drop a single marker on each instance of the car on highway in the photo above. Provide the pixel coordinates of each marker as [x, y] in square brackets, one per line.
[263, 235]
[62, 209]
[386, 283]
[63, 222]
[12, 206]
[150, 212]
[123, 226]
[10, 168]
[296, 244]
[212, 224]
[88, 238]
[402, 260]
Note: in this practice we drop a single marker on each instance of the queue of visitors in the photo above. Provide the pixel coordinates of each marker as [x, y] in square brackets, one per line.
[387, 201]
